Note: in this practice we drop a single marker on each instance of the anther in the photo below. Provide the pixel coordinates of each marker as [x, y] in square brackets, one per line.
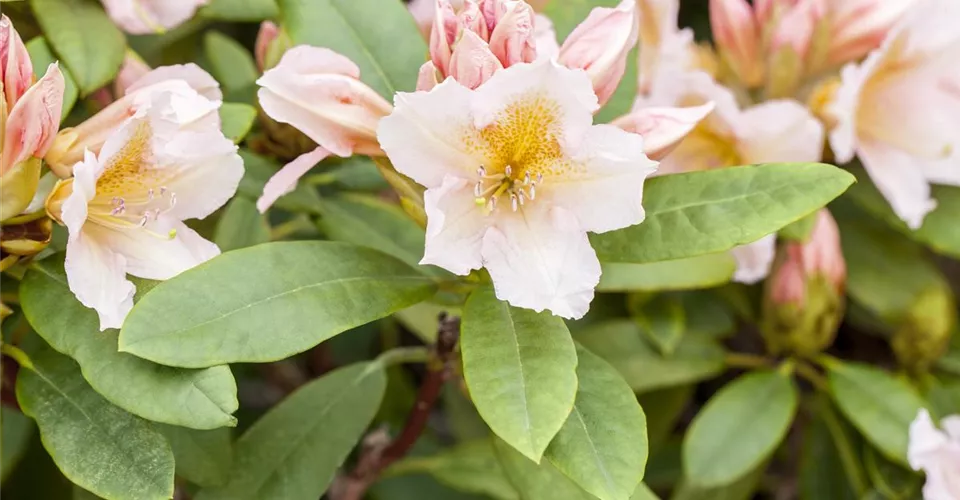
[478, 189]
[143, 220]
[481, 171]
[173, 200]
[493, 203]
[526, 178]
[521, 195]
[539, 176]
[119, 209]
[163, 190]
[508, 171]
[533, 190]
[150, 194]
[513, 202]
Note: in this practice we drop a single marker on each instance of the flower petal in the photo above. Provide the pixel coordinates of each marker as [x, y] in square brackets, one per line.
[34, 120]
[144, 17]
[545, 38]
[196, 78]
[205, 171]
[472, 63]
[779, 131]
[285, 180]
[539, 258]
[900, 180]
[84, 189]
[925, 441]
[149, 254]
[754, 259]
[97, 276]
[455, 226]
[662, 128]
[427, 77]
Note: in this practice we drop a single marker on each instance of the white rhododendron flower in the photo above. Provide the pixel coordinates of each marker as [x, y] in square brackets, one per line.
[144, 17]
[937, 453]
[516, 175]
[124, 207]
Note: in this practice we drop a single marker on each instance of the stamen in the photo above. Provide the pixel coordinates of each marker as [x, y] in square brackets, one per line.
[493, 203]
[118, 210]
[526, 178]
[539, 176]
[143, 220]
[150, 194]
[173, 200]
[521, 195]
[513, 202]
[482, 172]
[533, 190]
[163, 190]
[508, 171]
[478, 189]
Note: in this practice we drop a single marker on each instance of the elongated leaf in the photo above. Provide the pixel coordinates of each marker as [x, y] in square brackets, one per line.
[258, 169]
[741, 489]
[232, 66]
[620, 343]
[738, 428]
[520, 367]
[533, 480]
[240, 10]
[706, 212]
[305, 293]
[470, 466]
[203, 457]
[662, 320]
[603, 444]
[704, 271]
[294, 450]
[644, 493]
[236, 119]
[880, 406]
[379, 35]
[202, 399]
[84, 38]
[95, 444]
[16, 433]
[241, 226]
[41, 56]
[829, 464]
[663, 408]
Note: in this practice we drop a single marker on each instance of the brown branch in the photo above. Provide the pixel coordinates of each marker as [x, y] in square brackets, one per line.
[379, 453]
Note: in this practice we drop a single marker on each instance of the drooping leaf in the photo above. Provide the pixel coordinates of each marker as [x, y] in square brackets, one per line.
[203, 457]
[380, 36]
[258, 170]
[739, 428]
[621, 343]
[470, 466]
[703, 271]
[95, 444]
[520, 368]
[830, 467]
[533, 480]
[603, 444]
[706, 212]
[202, 399]
[84, 38]
[240, 10]
[294, 450]
[307, 292]
[41, 56]
[236, 119]
[880, 406]
[232, 65]
[241, 226]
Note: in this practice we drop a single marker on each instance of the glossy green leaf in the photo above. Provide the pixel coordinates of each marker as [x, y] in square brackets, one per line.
[533, 480]
[307, 292]
[240, 10]
[880, 406]
[95, 444]
[663, 321]
[520, 368]
[258, 170]
[84, 38]
[41, 56]
[738, 428]
[892, 480]
[232, 65]
[357, 173]
[663, 409]
[15, 433]
[201, 399]
[706, 212]
[294, 450]
[603, 444]
[741, 489]
[830, 466]
[470, 466]
[241, 226]
[380, 36]
[236, 120]
[703, 271]
[801, 229]
[203, 457]
[644, 493]
[621, 343]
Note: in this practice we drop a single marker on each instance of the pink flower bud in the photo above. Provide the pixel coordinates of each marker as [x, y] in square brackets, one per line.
[859, 26]
[144, 17]
[443, 35]
[16, 70]
[819, 256]
[267, 34]
[796, 27]
[512, 40]
[427, 77]
[599, 46]
[662, 129]
[737, 36]
[34, 120]
[473, 63]
[132, 70]
[472, 19]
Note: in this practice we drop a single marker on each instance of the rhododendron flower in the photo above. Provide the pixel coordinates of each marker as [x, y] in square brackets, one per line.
[124, 207]
[133, 69]
[665, 49]
[899, 110]
[516, 175]
[143, 17]
[859, 26]
[937, 453]
[319, 92]
[663, 128]
[774, 131]
[737, 35]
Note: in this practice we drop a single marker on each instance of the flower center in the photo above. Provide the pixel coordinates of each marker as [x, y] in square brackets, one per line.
[517, 189]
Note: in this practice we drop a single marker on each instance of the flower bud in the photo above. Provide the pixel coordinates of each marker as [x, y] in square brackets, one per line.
[473, 63]
[737, 36]
[797, 26]
[271, 43]
[133, 69]
[803, 299]
[16, 70]
[446, 26]
[859, 26]
[924, 332]
[600, 44]
[427, 77]
[512, 40]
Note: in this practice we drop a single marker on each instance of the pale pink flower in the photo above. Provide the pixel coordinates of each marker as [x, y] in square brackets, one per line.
[124, 207]
[319, 92]
[737, 36]
[268, 32]
[820, 255]
[512, 37]
[472, 62]
[797, 26]
[662, 128]
[665, 49]
[516, 175]
[859, 26]
[937, 453]
[16, 70]
[133, 69]
[545, 38]
[143, 17]
[899, 110]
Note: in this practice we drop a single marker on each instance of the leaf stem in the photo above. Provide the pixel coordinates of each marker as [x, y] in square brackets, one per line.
[811, 375]
[742, 360]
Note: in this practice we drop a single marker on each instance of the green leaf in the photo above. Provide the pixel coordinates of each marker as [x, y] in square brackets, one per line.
[294, 450]
[880, 406]
[470, 466]
[520, 368]
[41, 56]
[307, 292]
[202, 399]
[567, 14]
[829, 464]
[380, 36]
[258, 170]
[603, 444]
[84, 38]
[240, 10]
[621, 344]
[203, 457]
[663, 409]
[801, 229]
[662, 320]
[703, 271]
[706, 212]
[741, 489]
[892, 480]
[533, 480]
[236, 120]
[16, 433]
[357, 173]
[232, 65]
[738, 428]
[95, 444]
[241, 225]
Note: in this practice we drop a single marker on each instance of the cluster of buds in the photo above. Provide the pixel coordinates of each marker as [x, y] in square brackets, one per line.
[30, 113]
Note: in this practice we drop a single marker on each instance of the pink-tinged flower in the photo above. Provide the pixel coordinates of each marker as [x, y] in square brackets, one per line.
[820, 255]
[422, 12]
[665, 49]
[545, 38]
[319, 92]
[774, 131]
[859, 26]
[71, 143]
[472, 62]
[268, 32]
[663, 128]
[937, 453]
[133, 69]
[144, 17]
[16, 70]
[516, 175]
[797, 26]
[427, 76]
[599, 46]
[124, 207]
[737, 36]
[512, 38]
[899, 110]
